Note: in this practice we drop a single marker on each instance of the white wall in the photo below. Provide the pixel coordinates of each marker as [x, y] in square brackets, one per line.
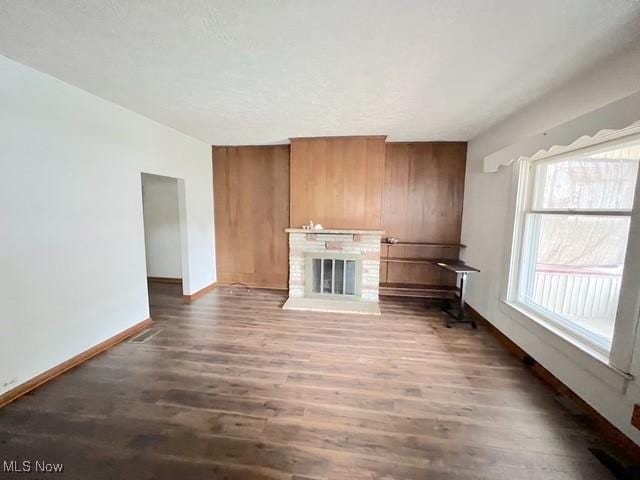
[161, 226]
[72, 258]
[486, 217]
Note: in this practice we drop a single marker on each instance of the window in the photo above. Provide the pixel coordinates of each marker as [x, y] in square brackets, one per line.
[575, 224]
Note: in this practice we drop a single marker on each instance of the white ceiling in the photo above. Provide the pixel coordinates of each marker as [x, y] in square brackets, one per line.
[261, 71]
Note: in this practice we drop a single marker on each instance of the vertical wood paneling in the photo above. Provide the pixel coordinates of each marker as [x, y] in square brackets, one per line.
[251, 206]
[414, 191]
[337, 181]
[423, 191]
[422, 202]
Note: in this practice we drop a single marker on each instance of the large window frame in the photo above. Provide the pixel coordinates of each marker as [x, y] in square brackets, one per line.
[619, 351]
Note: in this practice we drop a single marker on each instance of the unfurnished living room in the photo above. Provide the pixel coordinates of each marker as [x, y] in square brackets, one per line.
[320, 239]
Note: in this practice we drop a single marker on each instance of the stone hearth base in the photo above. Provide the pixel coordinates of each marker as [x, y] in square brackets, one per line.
[331, 306]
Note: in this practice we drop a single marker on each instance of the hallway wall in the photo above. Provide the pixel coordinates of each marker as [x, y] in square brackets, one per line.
[72, 252]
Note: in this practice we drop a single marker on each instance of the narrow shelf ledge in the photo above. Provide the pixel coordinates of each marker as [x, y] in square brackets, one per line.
[418, 290]
[423, 244]
[334, 231]
[409, 260]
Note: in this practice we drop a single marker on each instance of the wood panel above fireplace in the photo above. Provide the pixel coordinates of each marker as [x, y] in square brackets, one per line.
[337, 181]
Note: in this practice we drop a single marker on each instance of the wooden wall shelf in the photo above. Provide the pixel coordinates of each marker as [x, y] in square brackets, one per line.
[418, 290]
[408, 260]
[423, 244]
[405, 271]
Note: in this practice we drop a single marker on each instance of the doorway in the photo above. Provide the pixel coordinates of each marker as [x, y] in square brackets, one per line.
[163, 228]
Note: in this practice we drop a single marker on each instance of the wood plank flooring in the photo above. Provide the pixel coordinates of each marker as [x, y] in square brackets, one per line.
[233, 387]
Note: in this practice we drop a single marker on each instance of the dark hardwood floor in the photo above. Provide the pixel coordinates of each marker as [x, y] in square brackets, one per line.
[234, 387]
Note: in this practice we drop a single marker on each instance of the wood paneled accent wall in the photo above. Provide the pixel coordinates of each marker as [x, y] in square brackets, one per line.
[414, 191]
[337, 181]
[251, 207]
[422, 202]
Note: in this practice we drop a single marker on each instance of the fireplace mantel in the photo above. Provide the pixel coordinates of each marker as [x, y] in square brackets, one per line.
[335, 231]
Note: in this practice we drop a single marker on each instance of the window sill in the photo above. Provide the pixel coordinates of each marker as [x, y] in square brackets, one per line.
[590, 360]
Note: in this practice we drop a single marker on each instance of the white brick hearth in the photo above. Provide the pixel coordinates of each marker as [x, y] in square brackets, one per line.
[365, 244]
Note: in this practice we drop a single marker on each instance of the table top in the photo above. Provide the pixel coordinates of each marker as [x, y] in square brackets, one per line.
[455, 266]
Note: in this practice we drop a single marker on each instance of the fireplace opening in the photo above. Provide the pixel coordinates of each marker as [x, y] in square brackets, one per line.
[333, 275]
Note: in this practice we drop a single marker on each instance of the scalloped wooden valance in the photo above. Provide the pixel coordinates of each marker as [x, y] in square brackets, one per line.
[614, 120]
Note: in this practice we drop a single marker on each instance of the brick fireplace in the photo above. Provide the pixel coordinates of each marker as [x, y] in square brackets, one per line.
[334, 270]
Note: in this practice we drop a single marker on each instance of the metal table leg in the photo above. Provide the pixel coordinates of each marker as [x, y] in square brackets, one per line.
[459, 315]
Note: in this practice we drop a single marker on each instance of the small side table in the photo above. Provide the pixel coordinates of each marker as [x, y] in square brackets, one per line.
[461, 269]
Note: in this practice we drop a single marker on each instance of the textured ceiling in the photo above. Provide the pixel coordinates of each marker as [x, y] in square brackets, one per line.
[261, 71]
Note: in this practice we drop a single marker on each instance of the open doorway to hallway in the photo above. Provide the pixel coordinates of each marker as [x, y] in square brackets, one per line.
[162, 232]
